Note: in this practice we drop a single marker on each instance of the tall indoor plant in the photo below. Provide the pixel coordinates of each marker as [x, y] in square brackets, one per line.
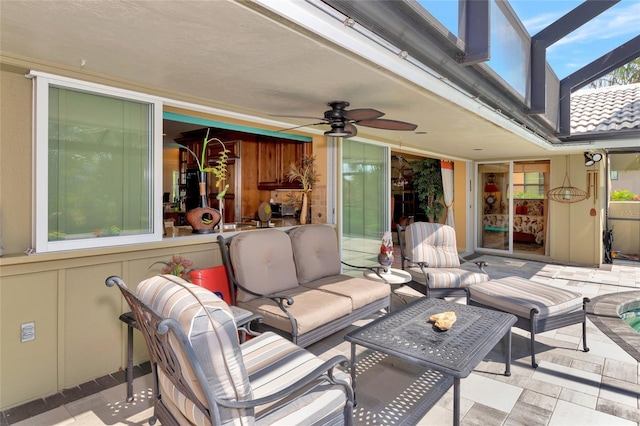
[427, 183]
[307, 175]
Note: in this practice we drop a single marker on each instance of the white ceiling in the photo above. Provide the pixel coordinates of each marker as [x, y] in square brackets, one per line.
[223, 54]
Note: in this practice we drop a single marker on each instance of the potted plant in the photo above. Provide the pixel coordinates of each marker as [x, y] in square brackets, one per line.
[203, 219]
[176, 265]
[427, 183]
[307, 175]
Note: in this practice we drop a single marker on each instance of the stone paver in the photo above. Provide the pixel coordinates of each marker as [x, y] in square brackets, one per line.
[570, 387]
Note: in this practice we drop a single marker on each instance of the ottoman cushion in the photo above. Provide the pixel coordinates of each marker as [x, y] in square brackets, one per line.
[518, 296]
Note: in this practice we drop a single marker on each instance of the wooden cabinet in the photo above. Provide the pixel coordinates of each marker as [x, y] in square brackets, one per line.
[274, 158]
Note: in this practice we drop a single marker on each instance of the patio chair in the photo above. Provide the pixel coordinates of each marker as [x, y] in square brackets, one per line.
[204, 376]
[429, 253]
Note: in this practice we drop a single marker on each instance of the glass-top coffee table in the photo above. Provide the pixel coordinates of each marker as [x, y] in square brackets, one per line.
[406, 333]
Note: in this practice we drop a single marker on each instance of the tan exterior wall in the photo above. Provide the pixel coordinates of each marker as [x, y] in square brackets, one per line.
[78, 336]
[15, 161]
[575, 235]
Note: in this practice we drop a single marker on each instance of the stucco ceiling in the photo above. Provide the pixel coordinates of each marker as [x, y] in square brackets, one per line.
[234, 56]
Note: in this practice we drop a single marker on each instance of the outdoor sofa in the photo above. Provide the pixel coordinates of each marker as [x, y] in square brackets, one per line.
[294, 280]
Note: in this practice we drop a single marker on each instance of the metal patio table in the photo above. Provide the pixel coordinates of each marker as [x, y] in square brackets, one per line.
[406, 333]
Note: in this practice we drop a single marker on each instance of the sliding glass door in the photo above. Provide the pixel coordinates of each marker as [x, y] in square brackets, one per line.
[512, 206]
[493, 206]
[365, 200]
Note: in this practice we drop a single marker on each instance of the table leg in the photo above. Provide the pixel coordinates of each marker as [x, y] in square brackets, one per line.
[129, 363]
[507, 371]
[456, 401]
[352, 367]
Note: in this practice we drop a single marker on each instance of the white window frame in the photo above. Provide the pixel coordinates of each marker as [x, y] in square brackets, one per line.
[42, 82]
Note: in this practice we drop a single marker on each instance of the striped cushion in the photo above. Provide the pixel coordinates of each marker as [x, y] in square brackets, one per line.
[315, 250]
[214, 339]
[274, 363]
[263, 262]
[432, 243]
[447, 277]
[518, 296]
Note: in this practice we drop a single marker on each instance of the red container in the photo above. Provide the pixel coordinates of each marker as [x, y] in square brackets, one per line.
[213, 279]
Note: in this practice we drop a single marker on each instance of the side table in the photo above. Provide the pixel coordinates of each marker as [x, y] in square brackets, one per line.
[392, 277]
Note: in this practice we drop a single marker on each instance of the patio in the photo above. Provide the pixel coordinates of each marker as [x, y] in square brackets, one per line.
[570, 387]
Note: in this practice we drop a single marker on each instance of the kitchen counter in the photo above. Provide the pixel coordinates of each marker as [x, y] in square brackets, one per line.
[183, 231]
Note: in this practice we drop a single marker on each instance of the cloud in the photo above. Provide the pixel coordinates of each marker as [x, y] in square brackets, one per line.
[622, 22]
[536, 23]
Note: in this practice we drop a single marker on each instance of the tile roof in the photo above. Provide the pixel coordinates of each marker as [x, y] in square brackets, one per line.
[605, 110]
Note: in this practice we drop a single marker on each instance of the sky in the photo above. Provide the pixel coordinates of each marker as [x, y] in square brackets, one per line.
[610, 29]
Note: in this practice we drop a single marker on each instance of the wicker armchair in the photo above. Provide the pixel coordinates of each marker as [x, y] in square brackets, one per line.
[430, 255]
[204, 376]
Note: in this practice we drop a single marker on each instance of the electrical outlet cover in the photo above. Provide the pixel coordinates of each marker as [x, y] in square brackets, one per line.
[27, 332]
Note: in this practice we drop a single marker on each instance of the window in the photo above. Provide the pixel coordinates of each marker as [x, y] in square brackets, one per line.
[528, 185]
[98, 172]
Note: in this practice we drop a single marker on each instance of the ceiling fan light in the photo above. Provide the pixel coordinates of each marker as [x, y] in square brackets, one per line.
[337, 133]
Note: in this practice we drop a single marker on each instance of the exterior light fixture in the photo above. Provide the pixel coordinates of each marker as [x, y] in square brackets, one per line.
[591, 158]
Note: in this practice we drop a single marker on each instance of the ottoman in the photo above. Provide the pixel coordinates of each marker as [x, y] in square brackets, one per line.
[539, 307]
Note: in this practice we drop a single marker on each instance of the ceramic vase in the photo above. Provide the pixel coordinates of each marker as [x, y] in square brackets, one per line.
[304, 210]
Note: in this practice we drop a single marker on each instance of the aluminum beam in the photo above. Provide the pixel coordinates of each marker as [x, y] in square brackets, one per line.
[474, 29]
[568, 23]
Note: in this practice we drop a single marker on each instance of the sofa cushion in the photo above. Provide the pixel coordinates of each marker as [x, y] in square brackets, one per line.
[432, 243]
[518, 296]
[274, 363]
[360, 291]
[212, 335]
[263, 262]
[311, 309]
[315, 250]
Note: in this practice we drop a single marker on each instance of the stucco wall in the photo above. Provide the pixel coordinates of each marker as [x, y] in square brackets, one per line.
[15, 160]
[575, 234]
[78, 336]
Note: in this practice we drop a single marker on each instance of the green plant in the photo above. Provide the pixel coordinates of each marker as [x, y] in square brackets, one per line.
[623, 195]
[306, 173]
[176, 265]
[527, 195]
[219, 170]
[427, 182]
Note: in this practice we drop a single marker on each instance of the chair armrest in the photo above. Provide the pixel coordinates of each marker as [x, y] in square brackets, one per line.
[244, 319]
[481, 264]
[326, 367]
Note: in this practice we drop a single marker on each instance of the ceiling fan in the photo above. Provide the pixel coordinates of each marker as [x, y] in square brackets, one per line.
[343, 121]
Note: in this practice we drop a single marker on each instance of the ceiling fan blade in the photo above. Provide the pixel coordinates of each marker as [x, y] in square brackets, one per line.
[362, 114]
[304, 125]
[295, 116]
[387, 124]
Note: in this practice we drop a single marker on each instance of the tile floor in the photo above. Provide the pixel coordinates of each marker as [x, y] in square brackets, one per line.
[570, 387]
